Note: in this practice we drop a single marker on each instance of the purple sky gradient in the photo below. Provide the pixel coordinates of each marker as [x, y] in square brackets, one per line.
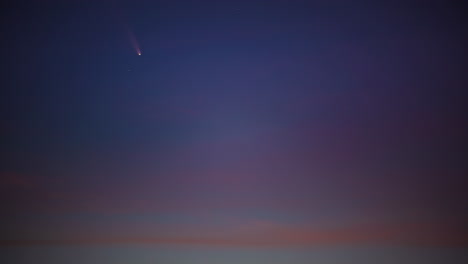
[254, 125]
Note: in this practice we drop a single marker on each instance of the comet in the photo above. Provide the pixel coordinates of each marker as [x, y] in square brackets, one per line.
[122, 18]
[133, 40]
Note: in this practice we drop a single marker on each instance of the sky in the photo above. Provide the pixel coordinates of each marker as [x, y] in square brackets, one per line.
[233, 132]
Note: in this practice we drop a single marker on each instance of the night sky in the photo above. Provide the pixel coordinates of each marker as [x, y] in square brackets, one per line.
[252, 132]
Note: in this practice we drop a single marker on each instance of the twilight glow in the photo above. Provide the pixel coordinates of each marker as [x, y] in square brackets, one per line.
[249, 132]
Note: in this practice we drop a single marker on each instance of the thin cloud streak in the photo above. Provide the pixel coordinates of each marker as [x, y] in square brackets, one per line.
[275, 235]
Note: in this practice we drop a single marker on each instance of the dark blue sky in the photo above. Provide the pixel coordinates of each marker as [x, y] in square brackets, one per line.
[242, 124]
